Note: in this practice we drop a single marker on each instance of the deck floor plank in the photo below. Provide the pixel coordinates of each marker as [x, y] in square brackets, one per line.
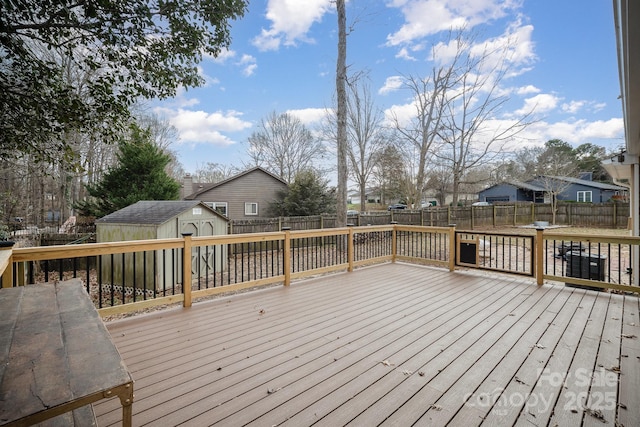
[373, 384]
[381, 334]
[399, 352]
[548, 396]
[313, 353]
[628, 407]
[573, 400]
[535, 322]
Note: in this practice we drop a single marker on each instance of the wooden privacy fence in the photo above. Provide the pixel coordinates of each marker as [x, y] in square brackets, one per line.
[601, 215]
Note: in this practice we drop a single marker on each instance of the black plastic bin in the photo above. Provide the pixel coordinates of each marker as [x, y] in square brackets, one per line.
[585, 266]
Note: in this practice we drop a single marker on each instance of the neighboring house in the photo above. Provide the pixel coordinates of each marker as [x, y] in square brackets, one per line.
[575, 190]
[372, 196]
[156, 219]
[512, 192]
[246, 195]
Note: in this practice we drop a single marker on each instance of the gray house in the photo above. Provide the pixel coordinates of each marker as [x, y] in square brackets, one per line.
[243, 196]
[573, 189]
[158, 219]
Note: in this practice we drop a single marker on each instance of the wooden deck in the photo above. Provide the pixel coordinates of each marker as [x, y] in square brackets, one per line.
[393, 344]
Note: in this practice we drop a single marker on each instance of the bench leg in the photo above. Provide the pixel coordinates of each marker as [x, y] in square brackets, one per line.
[126, 399]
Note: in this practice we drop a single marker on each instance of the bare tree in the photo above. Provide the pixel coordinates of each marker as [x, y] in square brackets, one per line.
[341, 115]
[556, 162]
[366, 135]
[284, 145]
[418, 135]
[211, 173]
[389, 174]
[470, 134]
[439, 181]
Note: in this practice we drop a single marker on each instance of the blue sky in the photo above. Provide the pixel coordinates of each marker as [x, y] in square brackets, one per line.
[283, 57]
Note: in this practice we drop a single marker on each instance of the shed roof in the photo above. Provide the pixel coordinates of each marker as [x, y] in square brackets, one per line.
[152, 212]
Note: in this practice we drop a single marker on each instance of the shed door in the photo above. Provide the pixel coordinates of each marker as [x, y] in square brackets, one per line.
[199, 227]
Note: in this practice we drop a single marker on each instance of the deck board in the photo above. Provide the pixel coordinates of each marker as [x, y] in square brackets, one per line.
[389, 344]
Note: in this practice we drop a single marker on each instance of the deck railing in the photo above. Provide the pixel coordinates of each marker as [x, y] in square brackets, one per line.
[598, 262]
[132, 275]
[507, 253]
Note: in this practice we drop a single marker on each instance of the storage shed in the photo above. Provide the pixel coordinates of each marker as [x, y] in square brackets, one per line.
[157, 219]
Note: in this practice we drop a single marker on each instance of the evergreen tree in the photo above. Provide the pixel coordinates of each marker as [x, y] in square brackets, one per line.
[139, 175]
[308, 195]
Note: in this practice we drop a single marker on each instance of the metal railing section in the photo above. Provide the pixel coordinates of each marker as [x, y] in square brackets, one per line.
[595, 261]
[499, 252]
[424, 244]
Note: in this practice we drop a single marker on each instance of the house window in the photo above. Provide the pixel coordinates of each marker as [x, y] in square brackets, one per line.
[584, 196]
[218, 206]
[250, 208]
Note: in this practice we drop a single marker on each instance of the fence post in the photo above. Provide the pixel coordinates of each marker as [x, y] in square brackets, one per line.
[286, 262]
[186, 269]
[452, 247]
[494, 214]
[472, 219]
[533, 212]
[539, 258]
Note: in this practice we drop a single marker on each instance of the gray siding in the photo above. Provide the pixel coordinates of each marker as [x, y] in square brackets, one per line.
[501, 191]
[254, 187]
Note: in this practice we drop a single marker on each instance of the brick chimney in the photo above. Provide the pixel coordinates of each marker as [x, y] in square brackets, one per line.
[187, 186]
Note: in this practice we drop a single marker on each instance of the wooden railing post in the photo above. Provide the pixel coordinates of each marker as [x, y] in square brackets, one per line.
[350, 249]
[452, 247]
[286, 262]
[6, 267]
[186, 269]
[539, 258]
[394, 242]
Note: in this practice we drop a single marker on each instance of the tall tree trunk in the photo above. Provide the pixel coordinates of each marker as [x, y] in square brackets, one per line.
[341, 114]
[363, 196]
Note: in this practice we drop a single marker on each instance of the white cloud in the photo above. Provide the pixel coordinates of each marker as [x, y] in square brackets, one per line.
[249, 64]
[601, 132]
[541, 103]
[203, 127]
[404, 54]
[249, 69]
[402, 113]
[515, 47]
[527, 90]
[391, 84]
[573, 106]
[309, 115]
[290, 22]
[426, 17]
